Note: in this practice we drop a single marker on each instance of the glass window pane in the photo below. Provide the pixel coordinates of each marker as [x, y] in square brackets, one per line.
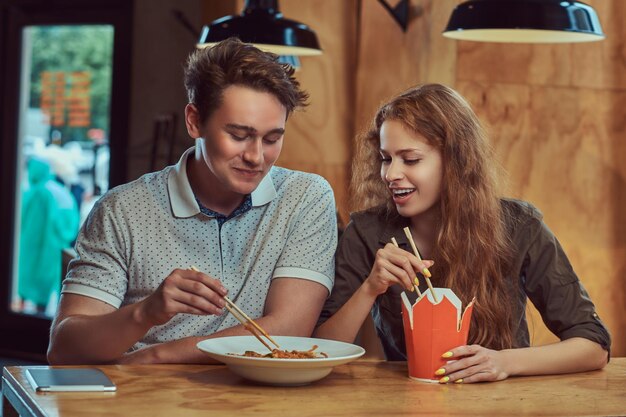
[63, 152]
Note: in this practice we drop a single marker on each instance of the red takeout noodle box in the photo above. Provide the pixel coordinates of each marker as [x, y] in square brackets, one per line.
[431, 329]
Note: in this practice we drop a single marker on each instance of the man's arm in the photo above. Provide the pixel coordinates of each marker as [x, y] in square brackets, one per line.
[86, 330]
[291, 309]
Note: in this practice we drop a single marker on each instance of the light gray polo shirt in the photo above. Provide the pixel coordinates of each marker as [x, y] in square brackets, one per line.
[139, 232]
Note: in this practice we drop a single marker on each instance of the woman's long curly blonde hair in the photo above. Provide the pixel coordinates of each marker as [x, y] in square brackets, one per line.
[472, 251]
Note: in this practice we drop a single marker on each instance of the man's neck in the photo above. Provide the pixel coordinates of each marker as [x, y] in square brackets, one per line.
[209, 191]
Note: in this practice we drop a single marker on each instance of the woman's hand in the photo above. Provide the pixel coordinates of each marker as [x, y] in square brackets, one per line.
[393, 266]
[473, 364]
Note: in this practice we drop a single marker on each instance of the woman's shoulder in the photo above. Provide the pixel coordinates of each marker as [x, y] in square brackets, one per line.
[374, 223]
[519, 211]
[373, 216]
[522, 219]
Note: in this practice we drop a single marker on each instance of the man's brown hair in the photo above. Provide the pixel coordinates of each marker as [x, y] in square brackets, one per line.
[210, 71]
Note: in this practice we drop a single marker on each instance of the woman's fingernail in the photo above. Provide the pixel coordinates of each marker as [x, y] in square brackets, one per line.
[416, 281]
[440, 371]
[444, 379]
[447, 355]
[426, 272]
[459, 381]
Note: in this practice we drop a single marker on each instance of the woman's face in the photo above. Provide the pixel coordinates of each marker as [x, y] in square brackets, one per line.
[411, 168]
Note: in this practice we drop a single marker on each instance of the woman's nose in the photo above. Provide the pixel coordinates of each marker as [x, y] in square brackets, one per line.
[392, 172]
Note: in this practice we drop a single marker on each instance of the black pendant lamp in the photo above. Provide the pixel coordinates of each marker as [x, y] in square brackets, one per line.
[524, 21]
[263, 25]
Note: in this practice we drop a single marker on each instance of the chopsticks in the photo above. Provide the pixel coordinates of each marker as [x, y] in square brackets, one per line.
[416, 281]
[425, 271]
[247, 322]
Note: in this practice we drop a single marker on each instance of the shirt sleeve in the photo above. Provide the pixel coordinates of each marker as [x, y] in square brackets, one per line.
[99, 271]
[554, 288]
[309, 250]
[352, 266]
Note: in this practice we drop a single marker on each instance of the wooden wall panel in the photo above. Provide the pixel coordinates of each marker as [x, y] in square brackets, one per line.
[319, 139]
[559, 147]
[390, 60]
[590, 65]
[556, 116]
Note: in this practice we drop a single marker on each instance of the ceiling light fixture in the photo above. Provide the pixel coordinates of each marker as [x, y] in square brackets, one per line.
[524, 21]
[262, 25]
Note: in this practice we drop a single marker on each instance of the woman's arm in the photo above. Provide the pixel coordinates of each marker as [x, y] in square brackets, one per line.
[391, 266]
[477, 364]
[346, 322]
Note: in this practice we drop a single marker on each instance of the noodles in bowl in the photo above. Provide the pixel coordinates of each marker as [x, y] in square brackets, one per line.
[285, 354]
[280, 370]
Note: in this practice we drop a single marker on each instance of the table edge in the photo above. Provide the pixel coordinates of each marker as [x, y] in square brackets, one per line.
[19, 398]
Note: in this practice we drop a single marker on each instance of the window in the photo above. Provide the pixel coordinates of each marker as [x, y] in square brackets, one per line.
[63, 152]
[64, 111]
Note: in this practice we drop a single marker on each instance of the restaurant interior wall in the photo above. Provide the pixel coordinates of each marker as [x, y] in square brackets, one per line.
[555, 114]
[161, 45]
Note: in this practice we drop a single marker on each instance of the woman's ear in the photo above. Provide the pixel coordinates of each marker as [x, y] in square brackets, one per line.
[192, 121]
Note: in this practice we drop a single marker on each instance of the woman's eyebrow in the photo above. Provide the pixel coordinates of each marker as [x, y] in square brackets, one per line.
[404, 151]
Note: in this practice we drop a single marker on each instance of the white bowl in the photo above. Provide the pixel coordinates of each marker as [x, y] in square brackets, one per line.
[276, 371]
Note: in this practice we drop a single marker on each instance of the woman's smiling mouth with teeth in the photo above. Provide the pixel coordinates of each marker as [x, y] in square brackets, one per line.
[404, 191]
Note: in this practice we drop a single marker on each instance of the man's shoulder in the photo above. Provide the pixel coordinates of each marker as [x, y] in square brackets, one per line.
[132, 191]
[288, 179]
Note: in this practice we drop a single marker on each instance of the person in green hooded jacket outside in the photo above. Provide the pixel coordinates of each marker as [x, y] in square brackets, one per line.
[49, 223]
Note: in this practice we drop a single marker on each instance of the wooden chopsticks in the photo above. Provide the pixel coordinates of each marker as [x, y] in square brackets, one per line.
[416, 281]
[247, 322]
[425, 271]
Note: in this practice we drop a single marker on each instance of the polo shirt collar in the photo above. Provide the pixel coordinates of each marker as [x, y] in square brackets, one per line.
[182, 198]
[265, 191]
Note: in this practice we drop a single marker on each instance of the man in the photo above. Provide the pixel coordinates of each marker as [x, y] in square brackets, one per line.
[264, 235]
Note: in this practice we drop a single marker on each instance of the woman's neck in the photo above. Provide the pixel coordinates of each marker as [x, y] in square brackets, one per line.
[425, 228]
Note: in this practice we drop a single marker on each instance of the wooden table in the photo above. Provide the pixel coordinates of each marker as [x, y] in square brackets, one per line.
[363, 388]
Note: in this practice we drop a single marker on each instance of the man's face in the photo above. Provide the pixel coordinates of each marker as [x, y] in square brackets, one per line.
[241, 140]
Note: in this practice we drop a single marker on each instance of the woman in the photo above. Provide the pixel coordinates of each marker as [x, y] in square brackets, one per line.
[425, 164]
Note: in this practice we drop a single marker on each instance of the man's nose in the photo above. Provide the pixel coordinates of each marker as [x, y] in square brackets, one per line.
[253, 154]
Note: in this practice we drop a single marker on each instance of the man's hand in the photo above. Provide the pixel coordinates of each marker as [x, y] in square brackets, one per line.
[183, 291]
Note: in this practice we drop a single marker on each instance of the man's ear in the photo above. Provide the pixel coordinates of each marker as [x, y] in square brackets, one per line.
[192, 121]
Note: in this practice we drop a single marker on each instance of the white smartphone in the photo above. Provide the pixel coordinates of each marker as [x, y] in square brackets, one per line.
[47, 379]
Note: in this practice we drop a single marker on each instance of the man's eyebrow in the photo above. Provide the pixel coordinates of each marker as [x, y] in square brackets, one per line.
[278, 130]
[252, 131]
[248, 129]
